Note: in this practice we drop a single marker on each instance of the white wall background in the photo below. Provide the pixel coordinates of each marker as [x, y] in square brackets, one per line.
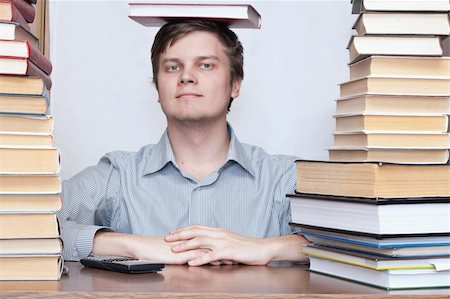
[103, 98]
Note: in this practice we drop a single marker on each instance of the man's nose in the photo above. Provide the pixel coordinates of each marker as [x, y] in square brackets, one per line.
[187, 76]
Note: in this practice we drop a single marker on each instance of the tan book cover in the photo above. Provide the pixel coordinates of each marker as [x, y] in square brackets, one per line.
[390, 155]
[393, 104]
[28, 225]
[30, 184]
[372, 179]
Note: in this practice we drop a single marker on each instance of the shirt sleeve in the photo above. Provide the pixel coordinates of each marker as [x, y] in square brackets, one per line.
[287, 186]
[87, 206]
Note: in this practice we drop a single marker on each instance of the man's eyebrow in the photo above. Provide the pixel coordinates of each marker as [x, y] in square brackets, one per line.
[198, 58]
[170, 60]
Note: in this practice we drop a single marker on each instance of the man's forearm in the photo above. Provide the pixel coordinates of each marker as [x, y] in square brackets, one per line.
[111, 243]
[140, 247]
[228, 246]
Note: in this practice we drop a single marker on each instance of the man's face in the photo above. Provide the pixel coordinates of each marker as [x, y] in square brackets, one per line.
[194, 79]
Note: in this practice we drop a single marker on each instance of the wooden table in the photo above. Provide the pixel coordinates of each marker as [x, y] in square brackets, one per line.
[282, 280]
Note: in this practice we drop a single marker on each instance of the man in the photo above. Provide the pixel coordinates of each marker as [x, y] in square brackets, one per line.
[199, 196]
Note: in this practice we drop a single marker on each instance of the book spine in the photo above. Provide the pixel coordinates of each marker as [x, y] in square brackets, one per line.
[39, 59]
[17, 17]
[34, 71]
[26, 9]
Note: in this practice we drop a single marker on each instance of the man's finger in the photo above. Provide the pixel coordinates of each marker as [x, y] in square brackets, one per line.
[195, 243]
[205, 259]
[188, 234]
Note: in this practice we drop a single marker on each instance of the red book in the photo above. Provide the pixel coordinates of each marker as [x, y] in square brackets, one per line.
[26, 9]
[9, 13]
[23, 49]
[23, 67]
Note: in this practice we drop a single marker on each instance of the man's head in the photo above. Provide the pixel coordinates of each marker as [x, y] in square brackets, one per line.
[170, 33]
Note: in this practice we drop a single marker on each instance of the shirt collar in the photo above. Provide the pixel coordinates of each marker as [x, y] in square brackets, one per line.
[162, 154]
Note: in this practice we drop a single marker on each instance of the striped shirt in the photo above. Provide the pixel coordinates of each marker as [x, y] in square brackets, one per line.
[145, 193]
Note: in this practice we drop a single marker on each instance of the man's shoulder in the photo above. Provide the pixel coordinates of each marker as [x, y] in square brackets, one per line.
[121, 158]
[259, 157]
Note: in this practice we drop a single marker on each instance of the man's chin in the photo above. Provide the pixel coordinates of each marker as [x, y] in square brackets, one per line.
[195, 120]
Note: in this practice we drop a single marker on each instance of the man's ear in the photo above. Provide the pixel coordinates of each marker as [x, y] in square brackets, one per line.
[236, 88]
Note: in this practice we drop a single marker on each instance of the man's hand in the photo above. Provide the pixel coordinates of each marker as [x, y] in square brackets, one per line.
[226, 247]
[142, 247]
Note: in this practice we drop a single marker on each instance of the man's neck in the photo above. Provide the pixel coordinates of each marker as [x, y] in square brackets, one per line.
[199, 149]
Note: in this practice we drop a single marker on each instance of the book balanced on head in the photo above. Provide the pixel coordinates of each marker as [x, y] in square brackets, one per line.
[156, 14]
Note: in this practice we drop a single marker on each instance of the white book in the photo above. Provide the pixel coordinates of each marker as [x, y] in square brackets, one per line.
[388, 279]
[157, 14]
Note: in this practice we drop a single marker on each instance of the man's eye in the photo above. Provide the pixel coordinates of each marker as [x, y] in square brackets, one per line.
[173, 68]
[206, 66]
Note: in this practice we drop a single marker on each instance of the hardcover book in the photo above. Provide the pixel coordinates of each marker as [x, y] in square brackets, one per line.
[157, 14]
[14, 31]
[388, 279]
[400, 5]
[385, 217]
[29, 184]
[394, 85]
[362, 46]
[402, 23]
[373, 180]
[401, 66]
[393, 104]
[390, 155]
[22, 49]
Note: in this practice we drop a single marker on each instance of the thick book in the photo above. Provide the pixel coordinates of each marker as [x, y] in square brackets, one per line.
[14, 31]
[31, 267]
[372, 180]
[28, 225]
[50, 246]
[407, 216]
[363, 46]
[24, 160]
[22, 85]
[380, 139]
[9, 13]
[392, 85]
[376, 262]
[400, 5]
[401, 66]
[22, 49]
[26, 124]
[23, 67]
[157, 14]
[23, 104]
[390, 104]
[402, 23]
[388, 279]
[382, 241]
[30, 184]
[390, 155]
[30, 203]
[392, 122]
[25, 140]
[26, 9]
[411, 251]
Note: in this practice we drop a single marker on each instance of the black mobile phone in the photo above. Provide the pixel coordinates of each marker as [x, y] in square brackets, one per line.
[121, 264]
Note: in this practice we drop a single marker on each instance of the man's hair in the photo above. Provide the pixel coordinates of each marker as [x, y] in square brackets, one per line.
[171, 32]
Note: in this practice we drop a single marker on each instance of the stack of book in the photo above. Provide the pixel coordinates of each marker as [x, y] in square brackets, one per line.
[395, 106]
[379, 212]
[30, 248]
